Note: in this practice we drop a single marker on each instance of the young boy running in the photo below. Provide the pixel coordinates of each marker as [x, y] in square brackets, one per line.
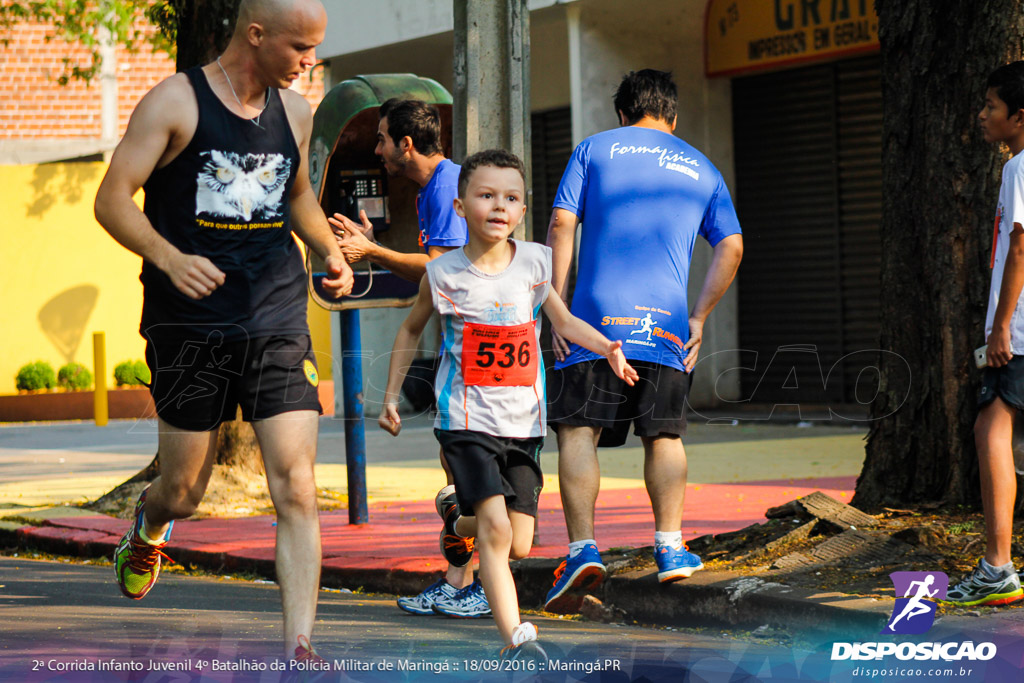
[490, 389]
[994, 581]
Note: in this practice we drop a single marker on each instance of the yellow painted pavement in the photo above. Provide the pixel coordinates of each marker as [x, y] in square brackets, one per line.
[709, 463]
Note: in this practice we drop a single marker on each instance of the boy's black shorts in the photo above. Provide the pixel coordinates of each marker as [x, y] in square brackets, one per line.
[588, 394]
[483, 466]
[1006, 382]
[199, 383]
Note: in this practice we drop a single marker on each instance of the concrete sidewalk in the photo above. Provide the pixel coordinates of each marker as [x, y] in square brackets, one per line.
[737, 471]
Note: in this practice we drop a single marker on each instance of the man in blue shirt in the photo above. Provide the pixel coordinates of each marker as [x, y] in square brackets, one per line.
[409, 145]
[643, 196]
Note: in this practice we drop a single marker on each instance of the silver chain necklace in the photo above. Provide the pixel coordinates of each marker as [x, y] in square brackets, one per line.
[266, 97]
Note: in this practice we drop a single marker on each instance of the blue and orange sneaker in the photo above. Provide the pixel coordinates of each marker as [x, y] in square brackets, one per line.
[136, 562]
[676, 564]
[574, 578]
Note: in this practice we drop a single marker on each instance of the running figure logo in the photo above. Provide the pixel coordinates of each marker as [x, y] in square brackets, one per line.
[915, 611]
[646, 325]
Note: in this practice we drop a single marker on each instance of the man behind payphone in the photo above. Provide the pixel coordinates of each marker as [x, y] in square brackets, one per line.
[409, 144]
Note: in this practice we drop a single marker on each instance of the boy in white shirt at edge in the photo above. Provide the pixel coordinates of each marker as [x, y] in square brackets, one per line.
[994, 581]
[491, 416]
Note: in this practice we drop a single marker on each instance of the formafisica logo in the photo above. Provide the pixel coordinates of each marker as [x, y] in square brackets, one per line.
[912, 614]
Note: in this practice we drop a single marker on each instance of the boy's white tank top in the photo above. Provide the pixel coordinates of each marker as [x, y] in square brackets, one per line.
[493, 403]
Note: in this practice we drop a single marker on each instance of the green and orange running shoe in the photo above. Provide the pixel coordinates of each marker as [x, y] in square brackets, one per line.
[977, 589]
[136, 562]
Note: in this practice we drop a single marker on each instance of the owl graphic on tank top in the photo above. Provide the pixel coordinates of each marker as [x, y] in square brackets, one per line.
[244, 187]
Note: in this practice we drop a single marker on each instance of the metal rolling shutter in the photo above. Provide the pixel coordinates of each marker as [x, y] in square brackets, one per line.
[860, 213]
[808, 195]
[552, 146]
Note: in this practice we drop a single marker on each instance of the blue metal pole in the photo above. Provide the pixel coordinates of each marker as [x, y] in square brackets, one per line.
[355, 433]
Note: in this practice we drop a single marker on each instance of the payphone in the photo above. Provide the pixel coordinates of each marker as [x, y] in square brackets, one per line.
[348, 177]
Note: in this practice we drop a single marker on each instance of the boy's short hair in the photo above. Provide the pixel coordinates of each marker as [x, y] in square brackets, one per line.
[647, 92]
[417, 119]
[1008, 80]
[499, 158]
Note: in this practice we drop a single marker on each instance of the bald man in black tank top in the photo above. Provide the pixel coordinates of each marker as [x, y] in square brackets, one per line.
[221, 152]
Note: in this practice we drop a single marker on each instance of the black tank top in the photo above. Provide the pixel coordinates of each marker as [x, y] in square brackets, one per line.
[225, 197]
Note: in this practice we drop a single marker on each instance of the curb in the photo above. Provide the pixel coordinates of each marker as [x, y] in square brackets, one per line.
[709, 598]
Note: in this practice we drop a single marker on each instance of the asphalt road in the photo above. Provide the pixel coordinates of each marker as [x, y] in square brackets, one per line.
[67, 622]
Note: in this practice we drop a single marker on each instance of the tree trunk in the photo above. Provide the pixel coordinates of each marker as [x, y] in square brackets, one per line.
[204, 30]
[940, 184]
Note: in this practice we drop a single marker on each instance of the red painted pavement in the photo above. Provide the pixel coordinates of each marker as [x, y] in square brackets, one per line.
[405, 535]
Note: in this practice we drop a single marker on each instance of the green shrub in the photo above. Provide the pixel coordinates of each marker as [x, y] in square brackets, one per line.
[142, 372]
[131, 373]
[35, 376]
[74, 377]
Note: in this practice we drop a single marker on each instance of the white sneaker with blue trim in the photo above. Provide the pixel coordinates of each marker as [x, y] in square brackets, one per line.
[469, 603]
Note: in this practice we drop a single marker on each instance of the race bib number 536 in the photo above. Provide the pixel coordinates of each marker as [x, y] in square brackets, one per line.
[499, 355]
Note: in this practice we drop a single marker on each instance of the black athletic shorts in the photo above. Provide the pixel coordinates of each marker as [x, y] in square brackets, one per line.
[483, 466]
[199, 383]
[1006, 382]
[588, 394]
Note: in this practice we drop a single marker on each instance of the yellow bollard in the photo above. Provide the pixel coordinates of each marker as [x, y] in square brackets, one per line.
[99, 361]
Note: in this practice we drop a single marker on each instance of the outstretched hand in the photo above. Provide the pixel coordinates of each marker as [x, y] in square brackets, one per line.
[620, 366]
[356, 241]
[389, 420]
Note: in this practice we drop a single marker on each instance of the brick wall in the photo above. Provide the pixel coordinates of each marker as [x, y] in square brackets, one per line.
[35, 107]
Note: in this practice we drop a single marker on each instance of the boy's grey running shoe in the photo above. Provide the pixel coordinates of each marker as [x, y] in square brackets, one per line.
[424, 602]
[977, 589]
[468, 603]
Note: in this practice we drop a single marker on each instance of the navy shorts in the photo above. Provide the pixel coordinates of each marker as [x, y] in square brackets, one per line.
[1006, 382]
[588, 394]
[484, 466]
[199, 383]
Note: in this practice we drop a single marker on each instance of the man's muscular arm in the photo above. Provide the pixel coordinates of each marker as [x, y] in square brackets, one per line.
[157, 128]
[308, 220]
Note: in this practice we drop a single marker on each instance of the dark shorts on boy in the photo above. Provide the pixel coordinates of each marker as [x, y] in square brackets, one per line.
[483, 466]
[588, 394]
[199, 383]
[1006, 382]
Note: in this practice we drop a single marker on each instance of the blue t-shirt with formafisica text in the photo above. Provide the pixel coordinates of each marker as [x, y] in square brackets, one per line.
[643, 196]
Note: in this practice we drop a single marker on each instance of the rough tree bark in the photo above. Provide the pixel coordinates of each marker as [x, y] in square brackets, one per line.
[940, 186]
[204, 29]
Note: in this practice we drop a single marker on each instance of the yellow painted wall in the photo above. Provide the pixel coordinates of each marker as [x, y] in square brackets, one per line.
[62, 277]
